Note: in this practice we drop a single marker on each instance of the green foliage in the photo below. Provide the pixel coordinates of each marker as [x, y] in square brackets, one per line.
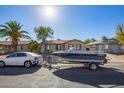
[2, 52]
[34, 46]
[43, 33]
[104, 38]
[89, 40]
[12, 30]
[120, 33]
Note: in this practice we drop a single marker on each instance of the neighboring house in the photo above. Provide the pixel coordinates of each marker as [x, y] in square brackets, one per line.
[6, 46]
[107, 46]
[59, 44]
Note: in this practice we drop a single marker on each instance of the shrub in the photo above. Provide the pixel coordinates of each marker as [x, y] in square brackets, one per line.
[2, 52]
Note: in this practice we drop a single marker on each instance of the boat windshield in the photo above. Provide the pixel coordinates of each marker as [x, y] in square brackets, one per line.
[71, 49]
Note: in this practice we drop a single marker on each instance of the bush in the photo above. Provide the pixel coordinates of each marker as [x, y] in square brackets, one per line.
[2, 52]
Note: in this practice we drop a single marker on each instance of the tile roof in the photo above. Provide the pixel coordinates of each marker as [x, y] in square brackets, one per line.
[59, 41]
[56, 41]
[109, 41]
[93, 43]
[9, 42]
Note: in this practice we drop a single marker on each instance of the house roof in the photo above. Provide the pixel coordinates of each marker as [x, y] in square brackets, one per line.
[56, 41]
[93, 43]
[9, 42]
[74, 40]
[108, 41]
[61, 41]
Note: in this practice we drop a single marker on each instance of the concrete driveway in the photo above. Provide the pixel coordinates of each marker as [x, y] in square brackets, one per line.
[114, 58]
[110, 75]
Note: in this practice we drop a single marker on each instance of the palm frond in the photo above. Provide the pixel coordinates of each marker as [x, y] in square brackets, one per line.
[43, 33]
[24, 32]
[4, 27]
[7, 38]
[25, 37]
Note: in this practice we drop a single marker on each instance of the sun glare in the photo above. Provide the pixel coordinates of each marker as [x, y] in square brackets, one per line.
[49, 12]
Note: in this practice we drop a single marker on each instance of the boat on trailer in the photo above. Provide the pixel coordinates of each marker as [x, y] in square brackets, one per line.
[91, 59]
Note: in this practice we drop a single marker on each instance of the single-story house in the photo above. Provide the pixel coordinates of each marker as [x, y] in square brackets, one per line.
[107, 46]
[59, 44]
[6, 46]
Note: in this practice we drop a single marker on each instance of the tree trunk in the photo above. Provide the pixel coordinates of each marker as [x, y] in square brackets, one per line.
[45, 46]
[44, 52]
[15, 48]
[14, 45]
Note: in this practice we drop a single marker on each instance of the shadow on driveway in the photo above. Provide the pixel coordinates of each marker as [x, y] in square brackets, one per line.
[12, 70]
[104, 76]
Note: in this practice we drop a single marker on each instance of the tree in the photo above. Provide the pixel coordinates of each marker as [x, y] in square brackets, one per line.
[93, 40]
[34, 46]
[13, 30]
[43, 33]
[120, 33]
[89, 40]
[104, 38]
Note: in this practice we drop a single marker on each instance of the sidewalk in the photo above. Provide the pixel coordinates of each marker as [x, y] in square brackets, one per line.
[115, 58]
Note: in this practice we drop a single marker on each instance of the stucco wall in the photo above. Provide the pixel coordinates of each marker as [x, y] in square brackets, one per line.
[23, 48]
[112, 48]
[20, 48]
[74, 43]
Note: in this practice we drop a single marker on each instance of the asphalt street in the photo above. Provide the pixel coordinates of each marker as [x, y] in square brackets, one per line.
[111, 75]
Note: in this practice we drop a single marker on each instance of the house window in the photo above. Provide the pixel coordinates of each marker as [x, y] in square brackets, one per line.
[5, 46]
[48, 47]
[58, 47]
[78, 46]
[106, 46]
[70, 46]
[21, 47]
[87, 49]
[1, 47]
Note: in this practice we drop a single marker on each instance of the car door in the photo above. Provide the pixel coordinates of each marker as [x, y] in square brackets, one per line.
[21, 58]
[11, 59]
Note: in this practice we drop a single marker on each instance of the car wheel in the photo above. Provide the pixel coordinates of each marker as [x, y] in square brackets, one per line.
[27, 64]
[93, 66]
[2, 64]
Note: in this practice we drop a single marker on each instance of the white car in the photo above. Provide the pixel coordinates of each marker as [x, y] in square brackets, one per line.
[26, 59]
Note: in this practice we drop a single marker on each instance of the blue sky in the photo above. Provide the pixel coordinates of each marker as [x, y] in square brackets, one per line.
[73, 22]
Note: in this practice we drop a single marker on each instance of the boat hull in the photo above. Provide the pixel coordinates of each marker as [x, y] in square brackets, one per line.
[81, 57]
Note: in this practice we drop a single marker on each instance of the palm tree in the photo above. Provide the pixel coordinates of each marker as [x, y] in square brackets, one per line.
[120, 33]
[13, 30]
[43, 33]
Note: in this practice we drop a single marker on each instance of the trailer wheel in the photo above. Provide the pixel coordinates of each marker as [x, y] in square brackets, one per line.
[93, 66]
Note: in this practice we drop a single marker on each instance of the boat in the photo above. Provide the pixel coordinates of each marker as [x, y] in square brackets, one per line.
[84, 57]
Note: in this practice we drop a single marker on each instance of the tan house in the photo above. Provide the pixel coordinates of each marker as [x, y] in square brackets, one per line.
[107, 46]
[59, 44]
[6, 46]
